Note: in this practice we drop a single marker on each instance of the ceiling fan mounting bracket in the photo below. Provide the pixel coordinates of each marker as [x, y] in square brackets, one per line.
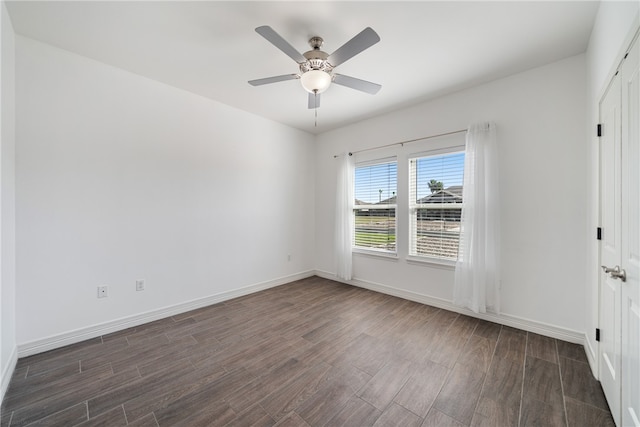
[316, 42]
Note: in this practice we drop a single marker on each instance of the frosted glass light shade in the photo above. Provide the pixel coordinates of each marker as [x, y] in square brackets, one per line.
[315, 81]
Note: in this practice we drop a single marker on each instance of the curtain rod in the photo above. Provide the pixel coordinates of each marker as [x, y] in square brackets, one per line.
[351, 153]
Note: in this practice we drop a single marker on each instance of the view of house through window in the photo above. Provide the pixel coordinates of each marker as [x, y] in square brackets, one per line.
[435, 204]
[375, 206]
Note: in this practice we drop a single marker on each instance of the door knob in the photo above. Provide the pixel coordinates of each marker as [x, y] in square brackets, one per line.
[615, 272]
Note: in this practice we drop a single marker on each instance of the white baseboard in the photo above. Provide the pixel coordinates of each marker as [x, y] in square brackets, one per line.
[72, 337]
[591, 357]
[7, 372]
[503, 319]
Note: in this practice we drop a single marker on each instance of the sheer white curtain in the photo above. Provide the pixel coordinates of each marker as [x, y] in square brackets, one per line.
[344, 216]
[477, 276]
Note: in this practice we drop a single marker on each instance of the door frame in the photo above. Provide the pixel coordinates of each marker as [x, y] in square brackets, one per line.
[594, 354]
[610, 201]
[593, 271]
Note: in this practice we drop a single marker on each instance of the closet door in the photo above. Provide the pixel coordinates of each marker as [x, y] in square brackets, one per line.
[620, 246]
[630, 262]
[611, 245]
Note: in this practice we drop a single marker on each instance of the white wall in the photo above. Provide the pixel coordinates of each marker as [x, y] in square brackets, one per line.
[614, 22]
[540, 117]
[121, 178]
[8, 349]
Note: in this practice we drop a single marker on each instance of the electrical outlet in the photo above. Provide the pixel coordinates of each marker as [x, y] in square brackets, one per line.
[103, 291]
[140, 285]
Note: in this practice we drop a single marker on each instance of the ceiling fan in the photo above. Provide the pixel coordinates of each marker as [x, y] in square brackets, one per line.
[316, 67]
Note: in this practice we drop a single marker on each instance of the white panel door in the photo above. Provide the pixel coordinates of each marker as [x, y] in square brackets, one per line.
[610, 247]
[630, 245]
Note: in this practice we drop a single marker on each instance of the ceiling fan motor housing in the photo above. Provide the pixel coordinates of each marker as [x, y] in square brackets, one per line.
[316, 60]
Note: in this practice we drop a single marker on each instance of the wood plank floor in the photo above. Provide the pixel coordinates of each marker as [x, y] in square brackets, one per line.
[310, 353]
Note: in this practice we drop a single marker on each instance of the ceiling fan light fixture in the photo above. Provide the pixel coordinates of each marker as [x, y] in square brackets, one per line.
[315, 81]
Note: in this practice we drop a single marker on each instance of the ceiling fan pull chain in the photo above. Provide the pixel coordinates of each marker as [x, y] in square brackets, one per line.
[315, 101]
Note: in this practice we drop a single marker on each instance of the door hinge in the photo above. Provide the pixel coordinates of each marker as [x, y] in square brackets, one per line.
[597, 334]
[599, 233]
[599, 130]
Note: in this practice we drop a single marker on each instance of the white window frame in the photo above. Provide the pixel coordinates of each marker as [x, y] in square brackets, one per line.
[413, 254]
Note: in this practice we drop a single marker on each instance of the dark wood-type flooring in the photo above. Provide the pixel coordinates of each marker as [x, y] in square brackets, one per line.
[310, 353]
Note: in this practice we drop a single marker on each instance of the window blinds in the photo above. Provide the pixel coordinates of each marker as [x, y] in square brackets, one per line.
[375, 206]
[436, 205]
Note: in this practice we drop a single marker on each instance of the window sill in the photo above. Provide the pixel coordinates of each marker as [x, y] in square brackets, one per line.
[445, 264]
[375, 254]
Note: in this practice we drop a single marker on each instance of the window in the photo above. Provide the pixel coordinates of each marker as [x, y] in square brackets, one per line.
[435, 205]
[375, 206]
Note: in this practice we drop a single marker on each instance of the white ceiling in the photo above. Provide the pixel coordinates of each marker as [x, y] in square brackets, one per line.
[427, 49]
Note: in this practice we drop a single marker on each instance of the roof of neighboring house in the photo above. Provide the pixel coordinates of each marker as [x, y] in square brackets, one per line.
[389, 201]
[451, 194]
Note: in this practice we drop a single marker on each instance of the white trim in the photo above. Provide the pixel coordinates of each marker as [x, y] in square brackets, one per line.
[591, 357]
[541, 328]
[7, 372]
[593, 354]
[445, 264]
[71, 337]
[376, 253]
[634, 32]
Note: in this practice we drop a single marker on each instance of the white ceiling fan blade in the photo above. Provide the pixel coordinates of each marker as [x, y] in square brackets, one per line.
[357, 84]
[314, 100]
[277, 40]
[363, 40]
[274, 79]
